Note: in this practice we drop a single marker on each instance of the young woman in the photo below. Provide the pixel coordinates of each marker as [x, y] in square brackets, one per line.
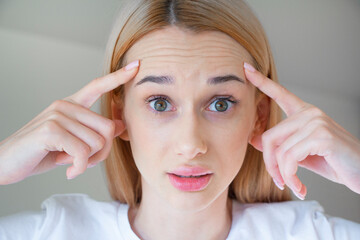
[191, 137]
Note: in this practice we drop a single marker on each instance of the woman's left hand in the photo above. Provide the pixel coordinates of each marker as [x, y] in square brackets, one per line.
[307, 138]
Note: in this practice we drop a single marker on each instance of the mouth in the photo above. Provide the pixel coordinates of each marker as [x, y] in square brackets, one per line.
[191, 176]
[190, 183]
[185, 171]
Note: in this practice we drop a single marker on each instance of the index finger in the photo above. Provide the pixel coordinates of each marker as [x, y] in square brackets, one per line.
[287, 101]
[89, 94]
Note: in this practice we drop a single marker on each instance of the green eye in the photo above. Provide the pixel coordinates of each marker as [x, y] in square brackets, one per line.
[160, 105]
[221, 105]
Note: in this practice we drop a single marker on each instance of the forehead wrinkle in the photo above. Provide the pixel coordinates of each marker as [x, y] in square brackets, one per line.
[158, 50]
[178, 39]
[155, 48]
[188, 56]
[163, 47]
[223, 67]
[171, 57]
[197, 45]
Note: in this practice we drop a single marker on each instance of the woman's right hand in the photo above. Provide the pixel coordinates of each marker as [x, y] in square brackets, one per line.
[65, 132]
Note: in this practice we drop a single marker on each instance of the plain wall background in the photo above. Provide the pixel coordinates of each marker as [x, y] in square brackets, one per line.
[50, 49]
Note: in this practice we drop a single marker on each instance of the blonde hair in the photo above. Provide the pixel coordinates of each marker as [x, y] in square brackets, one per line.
[233, 17]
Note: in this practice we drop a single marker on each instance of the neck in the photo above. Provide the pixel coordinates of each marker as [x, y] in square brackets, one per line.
[155, 220]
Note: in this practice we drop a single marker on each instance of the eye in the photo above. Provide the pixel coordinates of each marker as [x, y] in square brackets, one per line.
[159, 103]
[222, 104]
[162, 104]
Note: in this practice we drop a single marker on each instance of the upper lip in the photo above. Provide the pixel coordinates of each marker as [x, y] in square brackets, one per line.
[191, 171]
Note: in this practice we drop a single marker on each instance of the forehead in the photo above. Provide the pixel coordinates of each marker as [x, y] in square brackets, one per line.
[188, 55]
[181, 45]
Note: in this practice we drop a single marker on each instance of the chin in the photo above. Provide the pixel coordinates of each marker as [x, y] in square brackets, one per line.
[190, 201]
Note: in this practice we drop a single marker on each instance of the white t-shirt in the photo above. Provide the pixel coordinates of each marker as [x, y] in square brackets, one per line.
[77, 216]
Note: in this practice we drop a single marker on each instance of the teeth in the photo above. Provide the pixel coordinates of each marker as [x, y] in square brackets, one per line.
[191, 176]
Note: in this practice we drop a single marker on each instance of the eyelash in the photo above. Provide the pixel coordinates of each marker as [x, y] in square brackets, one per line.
[230, 99]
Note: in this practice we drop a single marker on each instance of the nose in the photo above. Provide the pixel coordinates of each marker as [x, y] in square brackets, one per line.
[189, 137]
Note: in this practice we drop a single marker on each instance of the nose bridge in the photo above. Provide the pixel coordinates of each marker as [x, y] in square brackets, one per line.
[189, 136]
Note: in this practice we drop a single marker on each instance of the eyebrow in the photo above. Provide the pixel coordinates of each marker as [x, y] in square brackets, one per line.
[169, 80]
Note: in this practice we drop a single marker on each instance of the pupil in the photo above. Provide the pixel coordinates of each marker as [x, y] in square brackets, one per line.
[221, 106]
[160, 105]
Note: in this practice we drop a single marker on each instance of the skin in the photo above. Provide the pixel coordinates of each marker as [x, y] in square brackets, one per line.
[307, 138]
[67, 132]
[190, 133]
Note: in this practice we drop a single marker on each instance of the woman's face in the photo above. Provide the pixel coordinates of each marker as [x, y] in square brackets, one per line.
[188, 126]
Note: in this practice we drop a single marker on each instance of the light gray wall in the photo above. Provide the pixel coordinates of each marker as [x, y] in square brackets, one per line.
[50, 49]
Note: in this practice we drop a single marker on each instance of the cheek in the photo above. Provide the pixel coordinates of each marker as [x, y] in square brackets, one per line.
[236, 130]
[231, 142]
[147, 142]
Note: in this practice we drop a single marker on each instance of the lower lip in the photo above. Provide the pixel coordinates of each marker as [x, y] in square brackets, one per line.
[191, 184]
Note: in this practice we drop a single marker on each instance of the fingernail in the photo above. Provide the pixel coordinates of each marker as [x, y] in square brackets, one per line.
[70, 174]
[278, 185]
[71, 177]
[299, 196]
[92, 165]
[249, 67]
[298, 187]
[132, 65]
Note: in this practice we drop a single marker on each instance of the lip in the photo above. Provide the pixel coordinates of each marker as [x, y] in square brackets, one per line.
[190, 179]
[190, 171]
[189, 184]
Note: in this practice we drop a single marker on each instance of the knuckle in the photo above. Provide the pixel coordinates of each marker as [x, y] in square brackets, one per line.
[317, 122]
[100, 143]
[288, 155]
[324, 132]
[314, 111]
[55, 115]
[109, 126]
[49, 126]
[57, 103]
[83, 150]
[314, 124]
